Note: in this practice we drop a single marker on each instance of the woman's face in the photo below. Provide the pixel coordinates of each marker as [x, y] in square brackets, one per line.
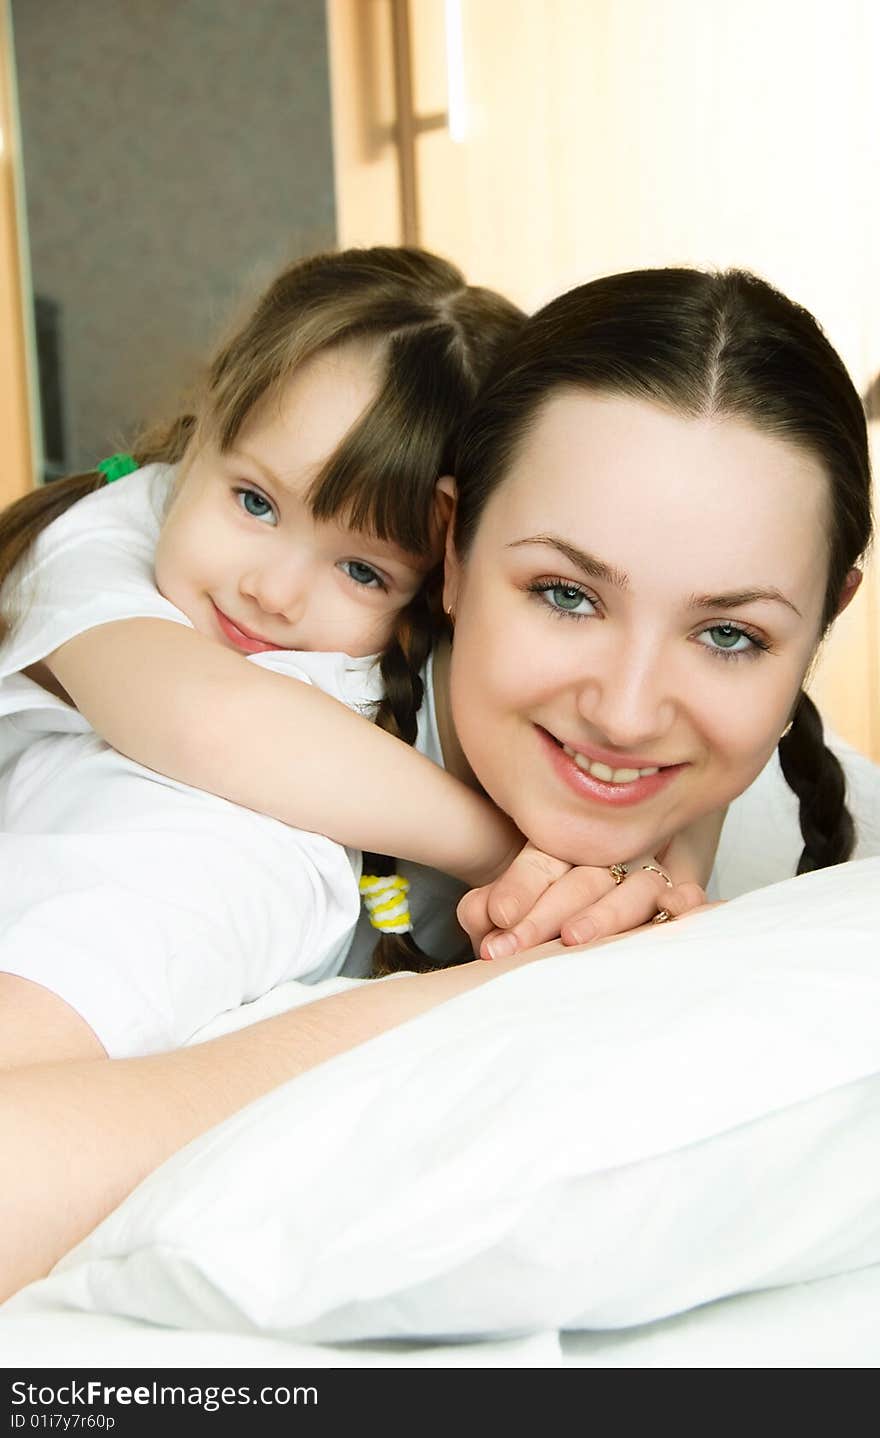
[633, 621]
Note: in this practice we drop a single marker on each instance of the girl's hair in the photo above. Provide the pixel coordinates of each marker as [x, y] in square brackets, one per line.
[436, 337]
[701, 344]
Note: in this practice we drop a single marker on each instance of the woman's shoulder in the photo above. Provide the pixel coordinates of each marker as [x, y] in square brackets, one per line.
[428, 740]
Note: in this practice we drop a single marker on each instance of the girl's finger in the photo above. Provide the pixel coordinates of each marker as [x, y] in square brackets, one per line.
[570, 894]
[519, 888]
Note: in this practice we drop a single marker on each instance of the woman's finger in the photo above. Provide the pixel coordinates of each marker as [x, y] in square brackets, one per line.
[682, 898]
[472, 913]
[570, 894]
[634, 902]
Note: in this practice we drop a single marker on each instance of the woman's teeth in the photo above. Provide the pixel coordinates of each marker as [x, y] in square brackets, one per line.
[605, 772]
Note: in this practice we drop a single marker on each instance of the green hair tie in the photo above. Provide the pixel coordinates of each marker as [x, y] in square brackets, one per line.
[117, 466]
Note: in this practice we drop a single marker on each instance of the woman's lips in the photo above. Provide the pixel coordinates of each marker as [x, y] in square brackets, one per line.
[248, 643]
[587, 785]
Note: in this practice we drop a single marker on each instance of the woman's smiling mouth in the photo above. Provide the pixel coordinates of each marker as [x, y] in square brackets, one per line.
[630, 780]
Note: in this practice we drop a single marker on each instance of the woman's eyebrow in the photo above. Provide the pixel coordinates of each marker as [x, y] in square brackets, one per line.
[736, 597]
[596, 568]
[588, 563]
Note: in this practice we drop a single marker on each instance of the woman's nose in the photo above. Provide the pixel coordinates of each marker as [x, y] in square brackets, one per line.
[628, 698]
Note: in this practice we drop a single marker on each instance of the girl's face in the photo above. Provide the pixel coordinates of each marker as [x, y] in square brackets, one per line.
[240, 552]
[634, 620]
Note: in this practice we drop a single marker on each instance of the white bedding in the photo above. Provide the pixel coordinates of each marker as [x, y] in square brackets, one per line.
[831, 1323]
[597, 1142]
[600, 1161]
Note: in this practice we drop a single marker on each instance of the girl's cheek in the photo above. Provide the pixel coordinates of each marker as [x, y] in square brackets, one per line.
[170, 565]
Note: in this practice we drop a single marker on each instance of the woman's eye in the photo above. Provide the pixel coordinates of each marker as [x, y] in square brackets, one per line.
[564, 598]
[727, 639]
[255, 504]
[363, 574]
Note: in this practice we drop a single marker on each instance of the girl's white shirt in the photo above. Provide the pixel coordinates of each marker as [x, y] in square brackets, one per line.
[148, 905]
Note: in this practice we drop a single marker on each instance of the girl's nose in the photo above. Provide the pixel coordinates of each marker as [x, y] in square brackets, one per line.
[627, 697]
[279, 589]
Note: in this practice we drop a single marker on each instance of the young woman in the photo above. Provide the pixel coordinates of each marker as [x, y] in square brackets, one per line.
[662, 497]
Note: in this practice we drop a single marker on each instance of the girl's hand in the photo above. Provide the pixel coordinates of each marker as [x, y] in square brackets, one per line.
[539, 898]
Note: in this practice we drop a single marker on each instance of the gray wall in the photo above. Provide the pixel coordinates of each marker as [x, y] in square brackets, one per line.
[176, 153]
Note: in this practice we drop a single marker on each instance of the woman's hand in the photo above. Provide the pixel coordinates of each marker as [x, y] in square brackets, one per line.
[539, 898]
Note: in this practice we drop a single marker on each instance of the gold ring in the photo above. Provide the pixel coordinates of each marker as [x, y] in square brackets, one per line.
[662, 916]
[618, 872]
[655, 869]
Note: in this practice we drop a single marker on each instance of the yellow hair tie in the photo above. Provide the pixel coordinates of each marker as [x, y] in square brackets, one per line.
[385, 901]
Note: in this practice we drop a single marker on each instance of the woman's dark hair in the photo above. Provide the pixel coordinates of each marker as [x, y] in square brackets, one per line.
[436, 337]
[700, 344]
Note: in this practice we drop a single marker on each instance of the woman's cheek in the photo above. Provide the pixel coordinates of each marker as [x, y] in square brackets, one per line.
[524, 658]
[743, 729]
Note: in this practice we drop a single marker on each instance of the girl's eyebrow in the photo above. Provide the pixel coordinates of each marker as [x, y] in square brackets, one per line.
[596, 568]
[258, 464]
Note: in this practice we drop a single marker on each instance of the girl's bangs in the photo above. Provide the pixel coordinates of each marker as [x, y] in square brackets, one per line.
[382, 477]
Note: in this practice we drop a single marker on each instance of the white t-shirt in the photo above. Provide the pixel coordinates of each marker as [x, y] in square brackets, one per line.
[150, 906]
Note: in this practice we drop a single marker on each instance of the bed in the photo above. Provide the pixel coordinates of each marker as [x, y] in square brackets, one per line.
[660, 1154]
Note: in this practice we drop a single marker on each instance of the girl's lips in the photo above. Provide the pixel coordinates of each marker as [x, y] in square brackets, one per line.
[248, 643]
[588, 786]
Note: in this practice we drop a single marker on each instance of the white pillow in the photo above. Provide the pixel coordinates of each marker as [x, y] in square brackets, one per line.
[599, 1139]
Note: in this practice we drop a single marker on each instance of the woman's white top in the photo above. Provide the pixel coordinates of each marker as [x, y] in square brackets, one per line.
[148, 905]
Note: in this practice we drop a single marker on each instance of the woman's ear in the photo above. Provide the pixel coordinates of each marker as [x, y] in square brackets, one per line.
[445, 498]
[850, 585]
[445, 494]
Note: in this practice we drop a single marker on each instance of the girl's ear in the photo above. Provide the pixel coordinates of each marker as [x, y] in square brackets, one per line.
[445, 498]
[850, 585]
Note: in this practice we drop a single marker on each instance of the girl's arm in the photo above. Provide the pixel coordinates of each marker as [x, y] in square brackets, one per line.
[81, 1135]
[186, 707]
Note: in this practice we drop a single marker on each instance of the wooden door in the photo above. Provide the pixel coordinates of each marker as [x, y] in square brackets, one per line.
[600, 137]
[17, 469]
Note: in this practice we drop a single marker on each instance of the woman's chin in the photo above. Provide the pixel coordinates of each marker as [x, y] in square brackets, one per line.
[589, 842]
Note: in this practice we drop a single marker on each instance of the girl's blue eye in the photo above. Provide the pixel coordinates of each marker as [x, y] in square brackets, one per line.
[564, 598]
[363, 574]
[255, 504]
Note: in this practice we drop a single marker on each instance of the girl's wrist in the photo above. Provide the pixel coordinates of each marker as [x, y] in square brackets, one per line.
[495, 843]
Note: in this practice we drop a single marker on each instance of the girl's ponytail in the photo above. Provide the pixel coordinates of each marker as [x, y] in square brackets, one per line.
[401, 667]
[24, 520]
[816, 776]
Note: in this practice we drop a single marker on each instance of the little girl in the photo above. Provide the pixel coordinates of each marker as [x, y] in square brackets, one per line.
[292, 517]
